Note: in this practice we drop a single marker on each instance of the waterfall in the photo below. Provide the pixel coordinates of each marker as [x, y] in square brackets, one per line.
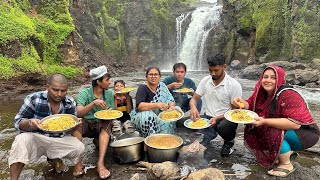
[203, 20]
[179, 21]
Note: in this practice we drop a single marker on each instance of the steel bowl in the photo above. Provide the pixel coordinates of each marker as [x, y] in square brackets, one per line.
[158, 155]
[128, 150]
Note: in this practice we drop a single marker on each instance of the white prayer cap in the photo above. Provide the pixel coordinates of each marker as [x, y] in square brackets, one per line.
[98, 72]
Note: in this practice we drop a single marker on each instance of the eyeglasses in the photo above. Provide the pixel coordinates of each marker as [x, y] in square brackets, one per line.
[153, 75]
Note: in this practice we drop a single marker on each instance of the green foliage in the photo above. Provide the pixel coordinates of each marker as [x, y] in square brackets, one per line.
[109, 16]
[48, 25]
[6, 68]
[306, 33]
[57, 10]
[24, 5]
[277, 32]
[272, 22]
[161, 11]
[246, 22]
[27, 63]
[51, 35]
[308, 40]
[68, 71]
[52, 28]
[14, 24]
[160, 8]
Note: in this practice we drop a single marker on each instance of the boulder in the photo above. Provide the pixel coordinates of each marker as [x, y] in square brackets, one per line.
[208, 174]
[286, 65]
[252, 72]
[160, 171]
[316, 63]
[236, 64]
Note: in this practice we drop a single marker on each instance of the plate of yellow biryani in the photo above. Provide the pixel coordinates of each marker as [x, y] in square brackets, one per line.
[108, 114]
[59, 123]
[171, 115]
[241, 116]
[183, 90]
[200, 123]
[126, 90]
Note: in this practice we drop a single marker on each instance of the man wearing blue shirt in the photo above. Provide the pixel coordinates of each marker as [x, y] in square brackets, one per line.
[179, 81]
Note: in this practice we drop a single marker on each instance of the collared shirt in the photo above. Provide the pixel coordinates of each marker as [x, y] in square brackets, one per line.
[218, 98]
[86, 96]
[37, 106]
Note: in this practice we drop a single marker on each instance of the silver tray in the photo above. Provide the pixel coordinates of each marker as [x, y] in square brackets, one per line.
[57, 116]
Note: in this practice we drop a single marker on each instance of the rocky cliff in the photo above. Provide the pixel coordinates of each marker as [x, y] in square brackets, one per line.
[45, 37]
[261, 31]
[127, 34]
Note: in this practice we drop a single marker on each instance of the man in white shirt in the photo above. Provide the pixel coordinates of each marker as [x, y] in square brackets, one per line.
[218, 90]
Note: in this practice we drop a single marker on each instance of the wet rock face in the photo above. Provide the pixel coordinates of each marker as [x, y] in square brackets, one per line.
[274, 29]
[11, 49]
[296, 73]
[134, 32]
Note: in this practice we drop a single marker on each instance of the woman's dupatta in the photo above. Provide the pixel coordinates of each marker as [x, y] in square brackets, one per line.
[265, 142]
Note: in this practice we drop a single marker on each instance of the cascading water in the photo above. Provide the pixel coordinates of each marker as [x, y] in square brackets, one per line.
[179, 21]
[203, 20]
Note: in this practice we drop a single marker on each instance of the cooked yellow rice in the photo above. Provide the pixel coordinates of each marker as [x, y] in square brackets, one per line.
[183, 90]
[58, 124]
[170, 115]
[108, 114]
[241, 116]
[127, 89]
[199, 123]
[164, 142]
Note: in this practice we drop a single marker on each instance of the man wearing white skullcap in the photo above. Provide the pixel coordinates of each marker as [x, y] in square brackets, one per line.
[98, 72]
[93, 99]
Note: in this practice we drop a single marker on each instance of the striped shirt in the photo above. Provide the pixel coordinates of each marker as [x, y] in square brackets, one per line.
[37, 106]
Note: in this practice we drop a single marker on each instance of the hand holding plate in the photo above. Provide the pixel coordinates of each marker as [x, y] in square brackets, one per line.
[80, 120]
[190, 93]
[213, 121]
[35, 124]
[260, 121]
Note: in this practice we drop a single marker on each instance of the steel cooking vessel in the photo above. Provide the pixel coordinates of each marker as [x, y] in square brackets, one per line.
[157, 155]
[128, 150]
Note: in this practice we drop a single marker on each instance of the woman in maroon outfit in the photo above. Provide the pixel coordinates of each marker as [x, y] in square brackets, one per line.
[276, 133]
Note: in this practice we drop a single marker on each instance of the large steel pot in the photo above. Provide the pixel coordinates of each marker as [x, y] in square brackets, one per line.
[128, 150]
[158, 155]
[129, 135]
